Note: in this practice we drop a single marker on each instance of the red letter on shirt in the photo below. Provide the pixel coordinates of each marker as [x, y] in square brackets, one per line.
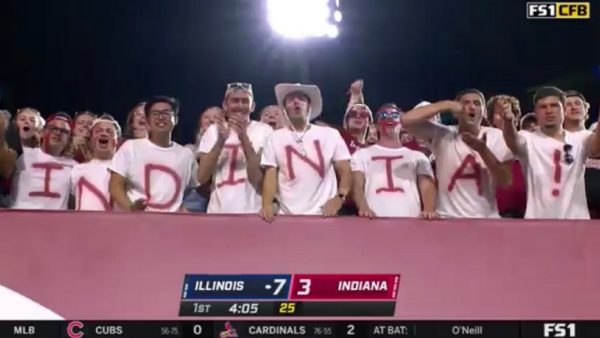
[83, 183]
[48, 167]
[232, 165]
[388, 172]
[460, 173]
[319, 168]
[147, 171]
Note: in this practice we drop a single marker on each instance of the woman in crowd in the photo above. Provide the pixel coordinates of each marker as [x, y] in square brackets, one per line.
[135, 125]
[81, 135]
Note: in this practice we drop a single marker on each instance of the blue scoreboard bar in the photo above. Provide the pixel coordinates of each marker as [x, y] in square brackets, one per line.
[239, 287]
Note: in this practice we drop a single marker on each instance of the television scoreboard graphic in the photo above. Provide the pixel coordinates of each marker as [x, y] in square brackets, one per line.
[312, 295]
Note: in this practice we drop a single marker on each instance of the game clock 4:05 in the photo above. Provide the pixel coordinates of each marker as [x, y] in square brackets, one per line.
[244, 308]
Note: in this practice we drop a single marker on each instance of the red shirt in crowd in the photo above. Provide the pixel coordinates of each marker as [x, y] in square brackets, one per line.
[352, 144]
[512, 200]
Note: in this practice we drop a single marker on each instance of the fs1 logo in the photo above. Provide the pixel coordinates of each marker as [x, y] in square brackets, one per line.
[559, 329]
[558, 10]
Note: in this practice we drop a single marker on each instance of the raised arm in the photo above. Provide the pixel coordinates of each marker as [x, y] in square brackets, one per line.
[208, 159]
[356, 93]
[417, 121]
[514, 141]
[593, 143]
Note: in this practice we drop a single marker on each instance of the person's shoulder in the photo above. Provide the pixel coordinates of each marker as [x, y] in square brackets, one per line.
[363, 151]
[281, 132]
[133, 143]
[581, 134]
[326, 130]
[260, 126]
[491, 131]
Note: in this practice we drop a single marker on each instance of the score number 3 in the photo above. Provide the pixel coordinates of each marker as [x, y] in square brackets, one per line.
[304, 287]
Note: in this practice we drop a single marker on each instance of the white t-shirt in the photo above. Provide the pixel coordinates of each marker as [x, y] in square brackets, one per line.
[41, 181]
[555, 189]
[306, 175]
[158, 175]
[14, 306]
[465, 185]
[232, 192]
[89, 185]
[391, 174]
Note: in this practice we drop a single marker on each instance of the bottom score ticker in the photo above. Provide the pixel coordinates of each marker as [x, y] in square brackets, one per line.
[268, 329]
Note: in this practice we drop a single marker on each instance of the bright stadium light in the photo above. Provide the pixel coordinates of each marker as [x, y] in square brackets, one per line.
[337, 16]
[298, 19]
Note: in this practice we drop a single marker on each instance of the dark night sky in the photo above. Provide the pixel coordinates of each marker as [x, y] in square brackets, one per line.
[107, 55]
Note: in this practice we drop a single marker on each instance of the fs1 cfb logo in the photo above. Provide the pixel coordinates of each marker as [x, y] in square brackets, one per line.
[558, 10]
[559, 330]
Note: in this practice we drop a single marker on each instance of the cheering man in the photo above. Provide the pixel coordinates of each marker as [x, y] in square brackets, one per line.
[469, 157]
[230, 154]
[152, 173]
[301, 160]
[553, 158]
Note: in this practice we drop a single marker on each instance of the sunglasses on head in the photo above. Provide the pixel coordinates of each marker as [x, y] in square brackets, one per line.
[239, 85]
[568, 156]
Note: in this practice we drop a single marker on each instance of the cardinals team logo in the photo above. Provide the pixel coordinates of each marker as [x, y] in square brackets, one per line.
[229, 332]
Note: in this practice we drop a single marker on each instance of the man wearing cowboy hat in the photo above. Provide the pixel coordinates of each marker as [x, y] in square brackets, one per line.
[301, 160]
[230, 154]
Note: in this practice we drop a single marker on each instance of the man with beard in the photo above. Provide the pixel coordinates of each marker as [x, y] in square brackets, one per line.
[151, 173]
[553, 159]
[230, 154]
[301, 160]
[469, 158]
[89, 181]
[576, 112]
[273, 116]
[41, 179]
[388, 177]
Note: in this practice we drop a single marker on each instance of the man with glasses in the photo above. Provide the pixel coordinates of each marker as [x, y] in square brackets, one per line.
[470, 159]
[302, 159]
[230, 154]
[89, 180]
[391, 180]
[553, 158]
[152, 173]
[41, 179]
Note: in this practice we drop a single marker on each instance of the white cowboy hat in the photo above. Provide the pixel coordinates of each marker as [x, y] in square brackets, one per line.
[314, 95]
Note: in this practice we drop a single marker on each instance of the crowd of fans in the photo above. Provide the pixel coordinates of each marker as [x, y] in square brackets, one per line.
[493, 162]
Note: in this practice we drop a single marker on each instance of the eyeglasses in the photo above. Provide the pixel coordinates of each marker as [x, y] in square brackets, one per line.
[359, 114]
[392, 115]
[568, 156]
[161, 113]
[239, 85]
[58, 130]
